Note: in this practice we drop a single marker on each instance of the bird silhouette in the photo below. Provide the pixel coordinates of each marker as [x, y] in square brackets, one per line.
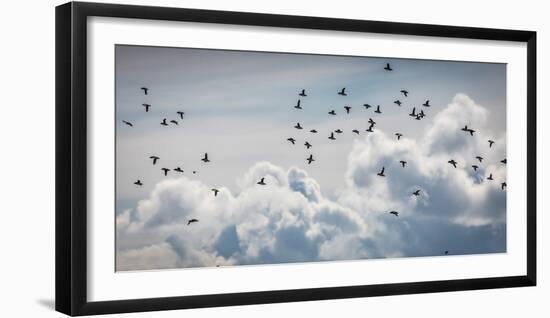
[446, 252]
[180, 113]
[155, 159]
[355, 131]
[205, 159]
[378, 110]
[370, 128]
[427, 103]
[192, 221]
[503, 161]
[138, 182]
[145, 90]
[367, 106]
[418, 117]
[215, 192]
[178, 169]
[194, 172]
[381, 173]
[404, 92]
[146, 106]
[388, 67]
[292, 140]
[503, 185]
[308, 145]
[297, 106]
[163, 122]
[261, 182]
[397, 102]
[372, 122]
[338, 131]
[452, 162]
[313, 131]
[475, 167]
[310, 159]
[421, 114]
[394, 213]
[298, 126]
[413, 113]
[490, 143]
[416, 193]
[347, 108]
[490, 177]
[128, 123]
[303, 93]
[165, 171]
[174, 122]
[469, 130]
[480, 158]
[399, 135]
[343, 92]
[332, 112]
[331, 137]
[403, 163]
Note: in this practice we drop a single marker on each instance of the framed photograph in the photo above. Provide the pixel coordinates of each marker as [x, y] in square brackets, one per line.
[210, 158]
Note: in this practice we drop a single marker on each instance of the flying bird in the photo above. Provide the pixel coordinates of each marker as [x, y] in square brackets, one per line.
[292, 140]
[181, 114]
[399, 135]
[503, 185]
[378, 110]
[381, 173]
[128, 123]
[192, 221]
[174, 122]
[308, 145]
[155, 159]
[490, 143]
[475, 167]
[310, 159]
[303, 93]
[466, 129]
[394, 213]
[452, 162]
[355, 131]
[332, 112]
[165, 171]
[404, 92]
[205, 159]
[338, 131]
[331, 137]
[138, 182]
[427, 103]
[347, 108]
[403, 163]
[388, 67]
[163, 122]
[413, 113]
[261, 182]
[146, 106]
[416, 193]
[367, 106]
[418, 117]
[370, 128]
[446, 252]
[313, 131]
[215, 192]
[297, 106]
[372, 122]
[145, 90]
[490, 177]
[298, 126]
[503, 161]
[178, 169]
[421, 114]
[480, 158]
[397, 102]
[343, 92]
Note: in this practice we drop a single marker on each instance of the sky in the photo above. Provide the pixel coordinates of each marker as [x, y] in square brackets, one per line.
[239, 108]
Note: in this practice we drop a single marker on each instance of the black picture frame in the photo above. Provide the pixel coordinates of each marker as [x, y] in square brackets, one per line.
[71, 157]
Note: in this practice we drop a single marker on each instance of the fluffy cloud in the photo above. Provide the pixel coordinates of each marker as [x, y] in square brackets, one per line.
[289, 219]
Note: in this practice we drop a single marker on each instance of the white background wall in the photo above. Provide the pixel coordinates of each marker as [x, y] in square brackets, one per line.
[27, 158]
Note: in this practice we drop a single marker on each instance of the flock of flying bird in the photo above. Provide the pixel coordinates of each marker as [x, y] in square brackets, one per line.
[416, 115]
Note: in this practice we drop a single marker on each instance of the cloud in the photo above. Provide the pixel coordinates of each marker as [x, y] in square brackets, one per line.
[290, 220]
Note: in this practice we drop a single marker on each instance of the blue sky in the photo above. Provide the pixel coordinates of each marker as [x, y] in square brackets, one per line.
[239, 108]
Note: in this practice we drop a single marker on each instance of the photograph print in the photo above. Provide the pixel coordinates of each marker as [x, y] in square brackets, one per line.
[228, 158]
